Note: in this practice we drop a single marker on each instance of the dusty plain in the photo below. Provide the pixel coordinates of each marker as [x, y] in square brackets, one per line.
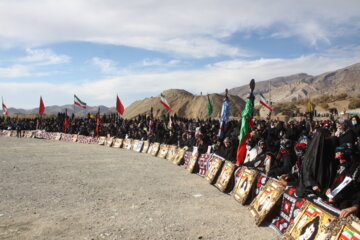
[58, 190]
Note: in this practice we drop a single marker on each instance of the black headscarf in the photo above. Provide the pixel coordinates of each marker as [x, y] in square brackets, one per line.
[318, 168]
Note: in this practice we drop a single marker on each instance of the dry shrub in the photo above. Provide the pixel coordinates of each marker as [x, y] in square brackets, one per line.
[354, 103]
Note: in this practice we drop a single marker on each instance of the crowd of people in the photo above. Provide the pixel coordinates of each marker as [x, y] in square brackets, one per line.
[314, 156]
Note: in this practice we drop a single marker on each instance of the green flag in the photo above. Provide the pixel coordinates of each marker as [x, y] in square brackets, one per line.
[210, 107]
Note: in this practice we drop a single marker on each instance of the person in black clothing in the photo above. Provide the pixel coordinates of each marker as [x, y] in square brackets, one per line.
[227, 150]
[285, 159]
[345, 133]
[318, 167]
[202, 145]
[292, 178]
[263, 160]
[348, 199]
[355, 125]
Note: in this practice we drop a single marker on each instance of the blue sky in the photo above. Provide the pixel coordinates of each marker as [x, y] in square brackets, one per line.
[136, 49]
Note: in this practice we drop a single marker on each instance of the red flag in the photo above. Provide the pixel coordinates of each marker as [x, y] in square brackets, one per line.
[66, 124]
[41, 107]
[98, 120]
[119, 106]
[5, 110]
[241, 152]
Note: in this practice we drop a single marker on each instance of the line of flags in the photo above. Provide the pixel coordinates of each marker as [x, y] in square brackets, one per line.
[224, 117]
[77, 101]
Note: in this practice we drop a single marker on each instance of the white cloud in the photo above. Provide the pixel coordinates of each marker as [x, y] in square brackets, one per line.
[28, 66]
[191, 28]
[106, 66]
[19, 70]
[16, 70]
[212, 78]
[44, 57]
[159, 62]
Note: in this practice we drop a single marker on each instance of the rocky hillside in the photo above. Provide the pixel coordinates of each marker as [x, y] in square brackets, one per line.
[185, 105]
[295, 87]
[56, 109]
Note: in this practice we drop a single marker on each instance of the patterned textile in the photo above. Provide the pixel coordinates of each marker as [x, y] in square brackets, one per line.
[86, 139]
[290, 207]
[5, 133]
[187, 157]
[49, 135]
[203, 163]
[39, 134]
[66, 137]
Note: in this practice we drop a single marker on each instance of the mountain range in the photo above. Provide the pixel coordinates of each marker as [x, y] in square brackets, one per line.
[283, 89]
[56, 109]
[302, 85]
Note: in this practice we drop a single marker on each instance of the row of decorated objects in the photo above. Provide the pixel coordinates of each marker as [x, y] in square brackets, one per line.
[50, 136]
[314, 220]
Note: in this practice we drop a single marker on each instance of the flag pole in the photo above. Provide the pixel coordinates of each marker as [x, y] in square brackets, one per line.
[270, 98]
[2, 106]
[40, 121]
[74, 106]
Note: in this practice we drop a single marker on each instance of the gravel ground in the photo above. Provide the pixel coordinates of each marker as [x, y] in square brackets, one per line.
[57, 190]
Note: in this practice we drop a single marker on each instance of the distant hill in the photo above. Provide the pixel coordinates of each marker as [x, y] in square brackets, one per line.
[182, 102]
[55, 109]
[185, 105]
[302, 85]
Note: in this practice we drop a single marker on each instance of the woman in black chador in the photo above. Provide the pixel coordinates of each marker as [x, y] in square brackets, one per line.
[318, 168]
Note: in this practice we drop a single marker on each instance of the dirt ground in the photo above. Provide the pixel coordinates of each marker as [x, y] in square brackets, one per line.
[57, 190]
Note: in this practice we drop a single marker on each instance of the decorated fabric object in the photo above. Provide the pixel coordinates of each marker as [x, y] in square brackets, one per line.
[66, 137]
[290, 207]
[187, 157]
[203, 163]
[86, 139]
